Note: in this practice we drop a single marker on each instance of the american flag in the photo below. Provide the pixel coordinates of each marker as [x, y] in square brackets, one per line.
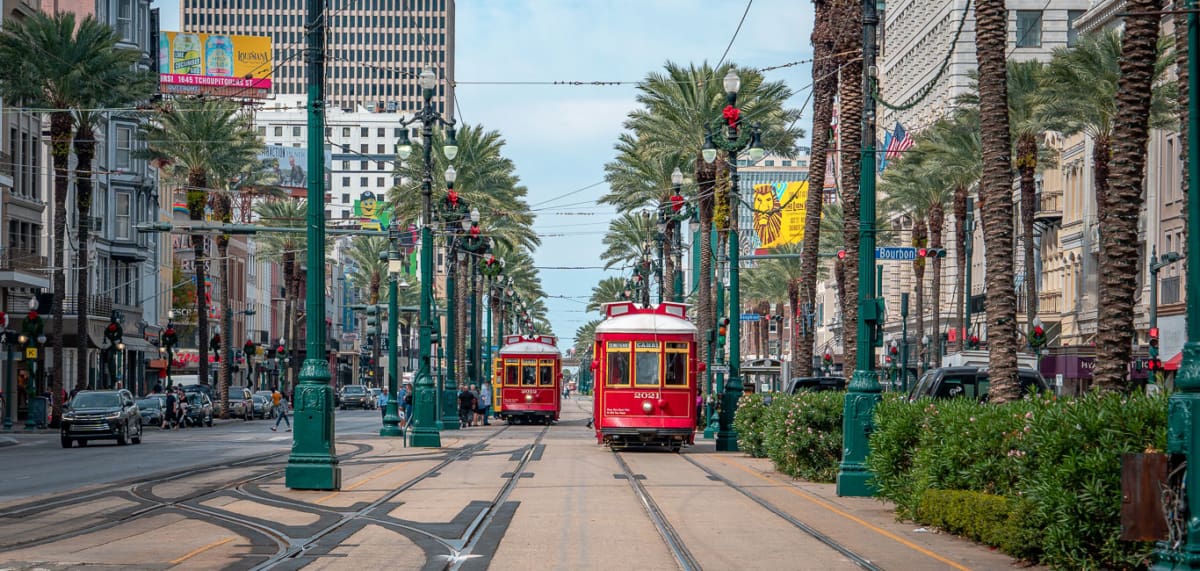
[895, 143]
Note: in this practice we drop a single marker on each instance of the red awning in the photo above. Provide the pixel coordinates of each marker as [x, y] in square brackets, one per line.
[1172, 364]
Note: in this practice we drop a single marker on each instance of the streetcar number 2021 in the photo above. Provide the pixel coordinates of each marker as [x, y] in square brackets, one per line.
[645, 395]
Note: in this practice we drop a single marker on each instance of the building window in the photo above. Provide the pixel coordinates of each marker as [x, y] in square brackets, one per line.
[769, 163]
[124, 148]
[365, 132]
[345, 198]
[346, 132]
[125, 18]
[121, 224]
[345, 181]
[787, 163]
[1072, 33]
[362, 182]
[278, 131]
[1029, 28]
[379, 182]
[296, 131]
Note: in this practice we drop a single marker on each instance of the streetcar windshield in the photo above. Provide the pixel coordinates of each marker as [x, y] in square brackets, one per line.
[510, 373]
[647, 369]
[618, 369]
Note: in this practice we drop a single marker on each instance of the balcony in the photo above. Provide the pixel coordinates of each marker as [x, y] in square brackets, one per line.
[97, 306]
[20, 268]
[1050, 303]
[1049, 207]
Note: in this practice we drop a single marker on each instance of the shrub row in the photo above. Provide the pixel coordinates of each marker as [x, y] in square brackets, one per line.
[1038, 478]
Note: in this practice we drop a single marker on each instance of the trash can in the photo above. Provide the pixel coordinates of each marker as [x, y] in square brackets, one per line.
[37, 410]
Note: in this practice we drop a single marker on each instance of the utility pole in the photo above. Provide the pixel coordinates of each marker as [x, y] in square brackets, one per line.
[853, 478]
[313, 464]
[970, 241]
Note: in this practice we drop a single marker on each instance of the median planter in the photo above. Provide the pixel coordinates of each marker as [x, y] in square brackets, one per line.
[803, 434]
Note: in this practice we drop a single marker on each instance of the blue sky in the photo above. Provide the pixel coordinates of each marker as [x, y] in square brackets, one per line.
[559, 137]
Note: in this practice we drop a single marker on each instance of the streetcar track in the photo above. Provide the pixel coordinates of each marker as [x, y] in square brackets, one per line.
[859, 560]
[683, 556]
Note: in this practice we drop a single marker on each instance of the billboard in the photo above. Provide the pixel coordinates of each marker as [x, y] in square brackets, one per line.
[214, 64]
[288, 166]
[372, 212]
[779, 213]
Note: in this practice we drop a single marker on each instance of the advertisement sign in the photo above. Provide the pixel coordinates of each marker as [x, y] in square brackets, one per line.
[779, 213]
[287, 166]
[214, 64]
[372, 212]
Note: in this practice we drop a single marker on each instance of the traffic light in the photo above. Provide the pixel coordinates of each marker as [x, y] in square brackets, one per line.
[841, 254]
[279, 351]
[1153, 343]
[250, 349]
[722, 329]
[372, 320]
[931, 252]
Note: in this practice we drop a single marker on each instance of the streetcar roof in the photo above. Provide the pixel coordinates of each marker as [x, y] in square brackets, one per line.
[525, 347]
[629, 317]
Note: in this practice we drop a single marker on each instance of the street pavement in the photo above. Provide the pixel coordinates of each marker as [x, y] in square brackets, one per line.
[496, 497]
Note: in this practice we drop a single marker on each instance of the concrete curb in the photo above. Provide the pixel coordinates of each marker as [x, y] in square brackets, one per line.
[4, 441]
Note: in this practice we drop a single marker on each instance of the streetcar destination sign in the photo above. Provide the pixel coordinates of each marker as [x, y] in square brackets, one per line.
[897, 254]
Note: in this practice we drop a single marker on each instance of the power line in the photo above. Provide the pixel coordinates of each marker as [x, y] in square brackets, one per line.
[735, 34]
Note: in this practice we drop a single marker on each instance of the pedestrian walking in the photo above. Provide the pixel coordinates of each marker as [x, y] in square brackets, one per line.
[283, 414]
[382, 401]
[485, 403]
[408, 402]
[466, 406]
[276, 396]
[169, 410]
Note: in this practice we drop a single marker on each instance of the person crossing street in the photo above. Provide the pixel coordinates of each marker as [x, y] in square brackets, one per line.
[283, 412]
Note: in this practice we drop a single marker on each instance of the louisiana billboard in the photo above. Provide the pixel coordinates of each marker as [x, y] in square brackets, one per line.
[213, 64]
[779, 213]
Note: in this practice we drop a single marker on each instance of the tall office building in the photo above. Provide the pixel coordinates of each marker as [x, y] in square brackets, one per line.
[375, 48]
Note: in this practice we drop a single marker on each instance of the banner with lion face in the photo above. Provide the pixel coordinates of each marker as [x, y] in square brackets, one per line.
[779, 213]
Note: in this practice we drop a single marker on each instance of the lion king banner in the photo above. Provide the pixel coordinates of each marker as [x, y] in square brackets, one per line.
[779, 213]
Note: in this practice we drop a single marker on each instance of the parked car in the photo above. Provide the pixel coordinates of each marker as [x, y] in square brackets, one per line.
[151, 409]
[200, 409]
[969, 382]
[241, 403]
[197, 388]
[263, 407]
[355, 396]
[814, 384]
[101, 415]
[375, 392]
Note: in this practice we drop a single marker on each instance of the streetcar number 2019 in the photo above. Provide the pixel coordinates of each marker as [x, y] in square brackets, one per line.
[645, 395]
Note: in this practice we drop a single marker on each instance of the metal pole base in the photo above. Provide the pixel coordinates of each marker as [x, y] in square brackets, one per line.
[853, 478]
[713, 424]
[1167, 559]
[425, 432]
[449, 413]
[391, 422]
[313, 464]
[727, 438]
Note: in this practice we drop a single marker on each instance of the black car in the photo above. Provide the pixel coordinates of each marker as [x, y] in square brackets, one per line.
[151, 408]
[814, 384]
[355, 396]
[101, 415]
[199, 409]
[969, 382]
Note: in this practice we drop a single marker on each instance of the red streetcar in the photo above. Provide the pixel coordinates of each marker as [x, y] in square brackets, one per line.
[645, 370]
[526, 382]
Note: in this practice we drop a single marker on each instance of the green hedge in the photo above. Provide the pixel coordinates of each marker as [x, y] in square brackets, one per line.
[750, 424]
[803, 434]
[986, 518]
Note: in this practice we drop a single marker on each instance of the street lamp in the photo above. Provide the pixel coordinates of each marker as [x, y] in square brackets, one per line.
[391, 417]
[735, 141]
[424, 422]
[925, 352]
[1156, 264]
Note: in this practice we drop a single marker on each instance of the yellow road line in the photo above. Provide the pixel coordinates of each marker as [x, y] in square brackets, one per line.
[365, 480]
[848, 516]
[200, 550]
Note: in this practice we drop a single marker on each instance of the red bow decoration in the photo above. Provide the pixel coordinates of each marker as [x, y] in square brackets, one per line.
[112, 327]
[452, 196]
[33, 315]
[676, 202]
[491, 260]
[169, 331]
[474, 231]
[1037, 330]
[975, 339]
[731, 115]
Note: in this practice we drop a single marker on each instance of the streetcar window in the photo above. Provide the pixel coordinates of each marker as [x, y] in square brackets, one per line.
[676, 373]
[618, 369]
[547, 374]
[510, 373]
[529, 376]
[647, 369]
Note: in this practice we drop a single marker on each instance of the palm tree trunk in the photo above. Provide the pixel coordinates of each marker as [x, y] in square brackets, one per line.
[937, 221]
[705, 177]
[920, 239]
[824, 72]
[60, 137]
[1027, 156]
[197, 199]
[1118, 221]
[224, 367]
[1101, 161]
[85, 153]
[995, 197]
[1181, 71]
[668, 261]
[850, 119]
[961, 261]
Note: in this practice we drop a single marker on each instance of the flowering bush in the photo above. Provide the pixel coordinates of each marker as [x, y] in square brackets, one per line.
[803, 434]
[750, 424]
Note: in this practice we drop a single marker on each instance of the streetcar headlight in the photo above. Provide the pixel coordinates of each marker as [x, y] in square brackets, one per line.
[647, 407]
[528, 398]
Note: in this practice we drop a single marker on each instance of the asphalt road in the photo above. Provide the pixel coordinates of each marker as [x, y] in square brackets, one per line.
[39, 464]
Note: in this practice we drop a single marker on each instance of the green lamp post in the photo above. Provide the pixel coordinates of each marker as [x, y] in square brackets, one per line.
[424, 422]
[452, 216]
[735, 141]
[491, 268]
[475, 244]
[853, 478]
[313, 463]
[170, 338]
[680, 210]
[391, 417]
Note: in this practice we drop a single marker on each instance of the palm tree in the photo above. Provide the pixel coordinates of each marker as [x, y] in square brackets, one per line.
[776, 281]
[824, 71]
[678, 106]
[56, 62]
[585, 336]
[1119, 217]
[626, 238]
[848, 40]
[995, 202]
[606, 291]
[209, 142]
[283, 248]
[953, 145]
[369, 274]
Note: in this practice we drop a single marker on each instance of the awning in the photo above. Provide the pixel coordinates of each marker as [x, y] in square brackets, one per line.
[139, 344]
[1172, 364]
